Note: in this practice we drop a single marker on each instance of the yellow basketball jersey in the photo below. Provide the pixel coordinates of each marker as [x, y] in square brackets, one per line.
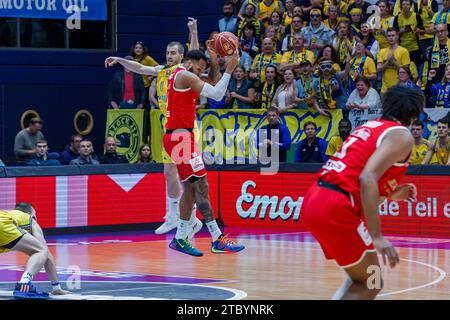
[442, 154]
[334, 145]
[13, 225]
[20, 219]
[161, 87]
[418, 153]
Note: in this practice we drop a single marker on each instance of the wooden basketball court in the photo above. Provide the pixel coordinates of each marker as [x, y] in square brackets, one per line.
[274, 265]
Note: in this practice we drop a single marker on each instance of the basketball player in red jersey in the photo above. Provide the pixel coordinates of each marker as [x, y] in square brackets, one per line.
[174, 57]
[341, 207]
[184, 88]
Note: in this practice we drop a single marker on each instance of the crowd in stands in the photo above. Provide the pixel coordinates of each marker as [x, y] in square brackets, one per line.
[328, 54]
[340, 54]
[31, 149]
[303, 54]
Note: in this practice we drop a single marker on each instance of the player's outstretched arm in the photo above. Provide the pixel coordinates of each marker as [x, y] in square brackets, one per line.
[50, 267]
[395, 147]
[133, 66]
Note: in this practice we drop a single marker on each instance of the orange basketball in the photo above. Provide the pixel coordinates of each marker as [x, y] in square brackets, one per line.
[226, 44]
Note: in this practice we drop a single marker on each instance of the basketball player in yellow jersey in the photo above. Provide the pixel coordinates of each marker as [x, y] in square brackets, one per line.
[19, 231]
[174, 56]
[420, 148]
[440, 147]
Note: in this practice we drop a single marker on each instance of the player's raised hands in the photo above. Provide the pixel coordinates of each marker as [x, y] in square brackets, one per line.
[110, 61]
[211, 50]
[232, 61]
[192, 24]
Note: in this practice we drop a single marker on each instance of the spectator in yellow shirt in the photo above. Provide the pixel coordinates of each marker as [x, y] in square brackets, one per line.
[249, 16]
[335, 143]
[292, 59]
[439, 149]
[410, 25]
[139, 52]
[332, 21]
[386, 21]
[420, 148]
[262, 60]
[289, 13]
[391, 59]
[427, 10]
[266, 8]
[343, 42]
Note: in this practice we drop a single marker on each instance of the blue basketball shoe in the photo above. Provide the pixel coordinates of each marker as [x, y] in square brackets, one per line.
[28, 291]
[226, 245]
[185, 246]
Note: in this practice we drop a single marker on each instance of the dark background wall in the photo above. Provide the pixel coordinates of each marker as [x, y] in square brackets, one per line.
[59, 83]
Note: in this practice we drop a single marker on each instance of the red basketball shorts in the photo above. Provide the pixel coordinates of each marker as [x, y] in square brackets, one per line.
[333, 220]
[184, 152]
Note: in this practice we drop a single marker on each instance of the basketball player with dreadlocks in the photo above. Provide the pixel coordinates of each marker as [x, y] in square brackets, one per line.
[341, 207]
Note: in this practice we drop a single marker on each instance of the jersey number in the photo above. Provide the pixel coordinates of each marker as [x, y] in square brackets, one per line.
[341, 154]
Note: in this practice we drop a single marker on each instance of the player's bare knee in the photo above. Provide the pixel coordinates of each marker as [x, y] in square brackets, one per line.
[34, 248]
[42, 249]
[170, 171]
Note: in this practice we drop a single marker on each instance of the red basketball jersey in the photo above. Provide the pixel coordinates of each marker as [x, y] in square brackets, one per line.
[180, 104]
[346, 165]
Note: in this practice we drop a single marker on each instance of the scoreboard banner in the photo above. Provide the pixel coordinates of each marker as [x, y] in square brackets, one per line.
[54, 9]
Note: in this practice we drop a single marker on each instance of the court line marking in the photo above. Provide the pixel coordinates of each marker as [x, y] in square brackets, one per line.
[442, 275]
[84, 243]
[135, 274]
[238, 294]
[272, 234]
[6, 267]
[399, 241]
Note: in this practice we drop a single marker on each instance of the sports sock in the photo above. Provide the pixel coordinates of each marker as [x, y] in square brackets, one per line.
[173, 213]
[182, 230]
[193, 215]
[26, 277]
[214, 230]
